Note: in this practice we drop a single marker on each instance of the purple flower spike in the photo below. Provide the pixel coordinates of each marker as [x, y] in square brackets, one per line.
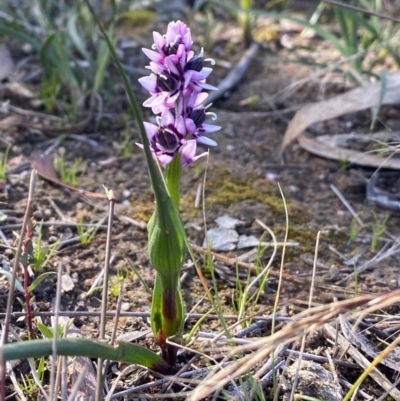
[175, 85]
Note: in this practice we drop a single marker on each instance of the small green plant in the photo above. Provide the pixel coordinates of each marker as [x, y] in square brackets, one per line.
[246, 301]
[115, 284]
[378, 229]
[41, 255]
[86, 235]
[68, 175]
[3, 163]
[361, 32]
[354, 230]
[74, 57]
[246, 20]
[28, 387]
[127, 144]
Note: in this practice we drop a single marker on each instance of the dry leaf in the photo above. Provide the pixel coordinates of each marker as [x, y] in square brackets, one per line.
[329, 146]
[355, 100]
[45, 168]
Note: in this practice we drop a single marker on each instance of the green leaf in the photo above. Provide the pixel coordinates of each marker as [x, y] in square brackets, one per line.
[47, 332]
[383, 76]
[124, 352]
[76, 39]
[167, 245]
[167, 318]
[103, 60]
[324, 33]
[156, 308]
[19, 34]
[39, 279]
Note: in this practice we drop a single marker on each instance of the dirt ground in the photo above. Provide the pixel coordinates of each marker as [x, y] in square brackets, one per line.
[244, 176]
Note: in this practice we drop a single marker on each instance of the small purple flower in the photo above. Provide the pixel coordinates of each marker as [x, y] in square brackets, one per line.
[177, 79]
[168, 138]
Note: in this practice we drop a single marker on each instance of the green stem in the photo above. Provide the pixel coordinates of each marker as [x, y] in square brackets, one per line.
[173, 179]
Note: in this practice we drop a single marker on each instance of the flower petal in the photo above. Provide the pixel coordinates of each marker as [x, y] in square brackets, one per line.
[208, 128]
[206, 141]
[188, 151]
[149, 83]
[159, 41]
[152, 55]
[151, 130]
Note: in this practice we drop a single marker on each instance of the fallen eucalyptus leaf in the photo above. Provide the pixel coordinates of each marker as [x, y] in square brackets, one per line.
[365, 97]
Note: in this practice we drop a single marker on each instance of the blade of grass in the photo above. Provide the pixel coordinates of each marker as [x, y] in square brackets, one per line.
[303, 340]
[383, 80]
[278, 291]
[54, 372]
[261, 274]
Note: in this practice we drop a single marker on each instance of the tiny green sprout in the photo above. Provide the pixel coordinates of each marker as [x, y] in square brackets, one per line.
[344, 164]
[50, 90]
[115, 284]
[197, 170]
[127, 144]
[3, 163]
[68, 175]
[28, 387]
[354, 230]
[85, 235]
[41, 255]
[378, 229]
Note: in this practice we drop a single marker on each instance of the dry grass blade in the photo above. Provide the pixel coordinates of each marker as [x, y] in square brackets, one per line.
[10, 299]
[368, 347]
[303, 340]
[363, 362]
[111, 198]
[307, 321]
[55, 320]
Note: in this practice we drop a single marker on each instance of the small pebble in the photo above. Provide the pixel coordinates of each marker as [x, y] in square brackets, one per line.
[75, 277]
[47, 212]
[272, 176]
[88, 282]
[221, 239]
[8, 252]
[52, 239]
[126, 193]
[125, 306]
[81, 298]
[38, 214]
[80, 305]
[67, 284]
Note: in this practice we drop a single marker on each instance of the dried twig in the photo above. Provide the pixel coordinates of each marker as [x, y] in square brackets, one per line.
[111, 198]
